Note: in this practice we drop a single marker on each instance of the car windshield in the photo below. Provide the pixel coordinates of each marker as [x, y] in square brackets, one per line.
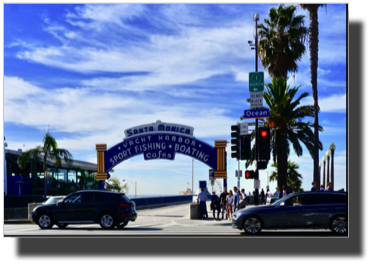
[53, 200]
[280, 200]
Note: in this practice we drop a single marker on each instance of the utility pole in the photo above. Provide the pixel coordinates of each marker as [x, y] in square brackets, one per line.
[256, 19]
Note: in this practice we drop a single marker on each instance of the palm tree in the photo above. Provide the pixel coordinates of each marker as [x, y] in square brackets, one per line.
[87, 181]
[48, 151]
[294, 179]
[285, 121]
[281, 42]
[114, 185]
[313, 47]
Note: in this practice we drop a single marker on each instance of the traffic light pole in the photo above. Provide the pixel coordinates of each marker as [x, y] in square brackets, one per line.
[256, 127]
[238, 174]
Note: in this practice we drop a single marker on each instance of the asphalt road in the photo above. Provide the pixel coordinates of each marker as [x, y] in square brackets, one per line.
[170, 220]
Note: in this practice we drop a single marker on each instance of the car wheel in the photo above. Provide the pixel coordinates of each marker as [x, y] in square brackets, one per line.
[62, 226]
[252, 225]
[339, 225]
[107, 221]
[122, 225]
[44, 221]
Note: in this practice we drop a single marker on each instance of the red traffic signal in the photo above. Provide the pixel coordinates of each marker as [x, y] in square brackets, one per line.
[263, 133]
[250, 175]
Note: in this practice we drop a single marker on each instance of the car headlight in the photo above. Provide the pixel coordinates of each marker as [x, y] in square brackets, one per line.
[234, 216]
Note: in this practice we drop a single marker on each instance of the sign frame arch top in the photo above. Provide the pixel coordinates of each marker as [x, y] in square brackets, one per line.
[160, 146]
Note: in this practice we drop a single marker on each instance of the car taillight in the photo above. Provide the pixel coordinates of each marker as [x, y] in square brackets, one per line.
[124, 205]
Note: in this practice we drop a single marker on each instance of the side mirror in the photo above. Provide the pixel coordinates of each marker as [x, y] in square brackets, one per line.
[282, 204]
[60, 202]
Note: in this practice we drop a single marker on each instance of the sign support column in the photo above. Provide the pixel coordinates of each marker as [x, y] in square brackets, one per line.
[101, 175]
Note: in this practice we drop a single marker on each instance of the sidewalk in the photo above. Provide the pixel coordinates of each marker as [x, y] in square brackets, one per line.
[175, 214]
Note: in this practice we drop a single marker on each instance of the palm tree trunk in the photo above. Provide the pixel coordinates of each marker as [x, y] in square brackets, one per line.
[313, 46]
[45, 186]
[282, 163]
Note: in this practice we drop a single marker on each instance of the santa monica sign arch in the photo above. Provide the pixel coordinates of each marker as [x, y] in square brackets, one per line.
[161, 140]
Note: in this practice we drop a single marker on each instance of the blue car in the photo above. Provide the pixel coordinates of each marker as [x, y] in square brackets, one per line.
[304, 210]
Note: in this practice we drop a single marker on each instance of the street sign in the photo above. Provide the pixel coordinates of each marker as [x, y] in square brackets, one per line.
[256, 82]
[243, 129]
[257, 184]
[256, 100]
[210, 174]
[256, 113]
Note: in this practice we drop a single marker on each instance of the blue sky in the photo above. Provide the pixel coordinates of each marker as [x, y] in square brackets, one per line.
[92, 71]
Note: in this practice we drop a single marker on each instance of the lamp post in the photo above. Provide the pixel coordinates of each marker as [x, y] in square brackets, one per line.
[328, 154]
[135, 186]
[192, 180]
[319, 171]
[324, 170]
[332, 148]
[5, 170]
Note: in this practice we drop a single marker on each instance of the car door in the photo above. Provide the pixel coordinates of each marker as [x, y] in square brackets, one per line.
[70, 209]
[316, 210]
[89, 207]
[288, 215]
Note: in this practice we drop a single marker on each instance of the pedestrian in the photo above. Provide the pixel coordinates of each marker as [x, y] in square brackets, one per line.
[244, 199]
[329, 187]
[268, 197]
[284, 191]
[229, 200]
[314, 187]
[215, 205]
[223, 203]
[249, 194]
[202, 197]
[289, 190]
[236, 199]
[322, 188]
[262, 194]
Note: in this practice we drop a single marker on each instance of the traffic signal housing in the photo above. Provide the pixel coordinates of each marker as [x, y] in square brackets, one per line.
[250, 174]
[263, 142]
[245, 147]
[235, 150]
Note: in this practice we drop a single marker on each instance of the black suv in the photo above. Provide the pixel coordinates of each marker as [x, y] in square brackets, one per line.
[109, 209]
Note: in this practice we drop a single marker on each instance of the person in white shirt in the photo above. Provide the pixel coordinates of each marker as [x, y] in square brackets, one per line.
[230, 201]
[244, 199]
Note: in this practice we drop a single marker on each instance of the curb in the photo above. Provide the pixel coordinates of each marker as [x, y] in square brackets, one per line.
[22, 222]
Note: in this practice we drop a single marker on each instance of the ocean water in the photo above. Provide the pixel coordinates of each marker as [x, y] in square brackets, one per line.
[132, 196]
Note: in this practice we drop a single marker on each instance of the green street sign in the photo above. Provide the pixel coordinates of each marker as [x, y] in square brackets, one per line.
[256, 82]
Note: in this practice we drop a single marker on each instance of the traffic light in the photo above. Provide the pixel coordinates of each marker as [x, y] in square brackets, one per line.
[211, 174]
[250, 174]
[245, 147]
[263, 142]
[235, 142]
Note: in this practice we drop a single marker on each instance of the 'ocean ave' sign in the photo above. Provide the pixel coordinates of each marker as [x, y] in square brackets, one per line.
[256, 113]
